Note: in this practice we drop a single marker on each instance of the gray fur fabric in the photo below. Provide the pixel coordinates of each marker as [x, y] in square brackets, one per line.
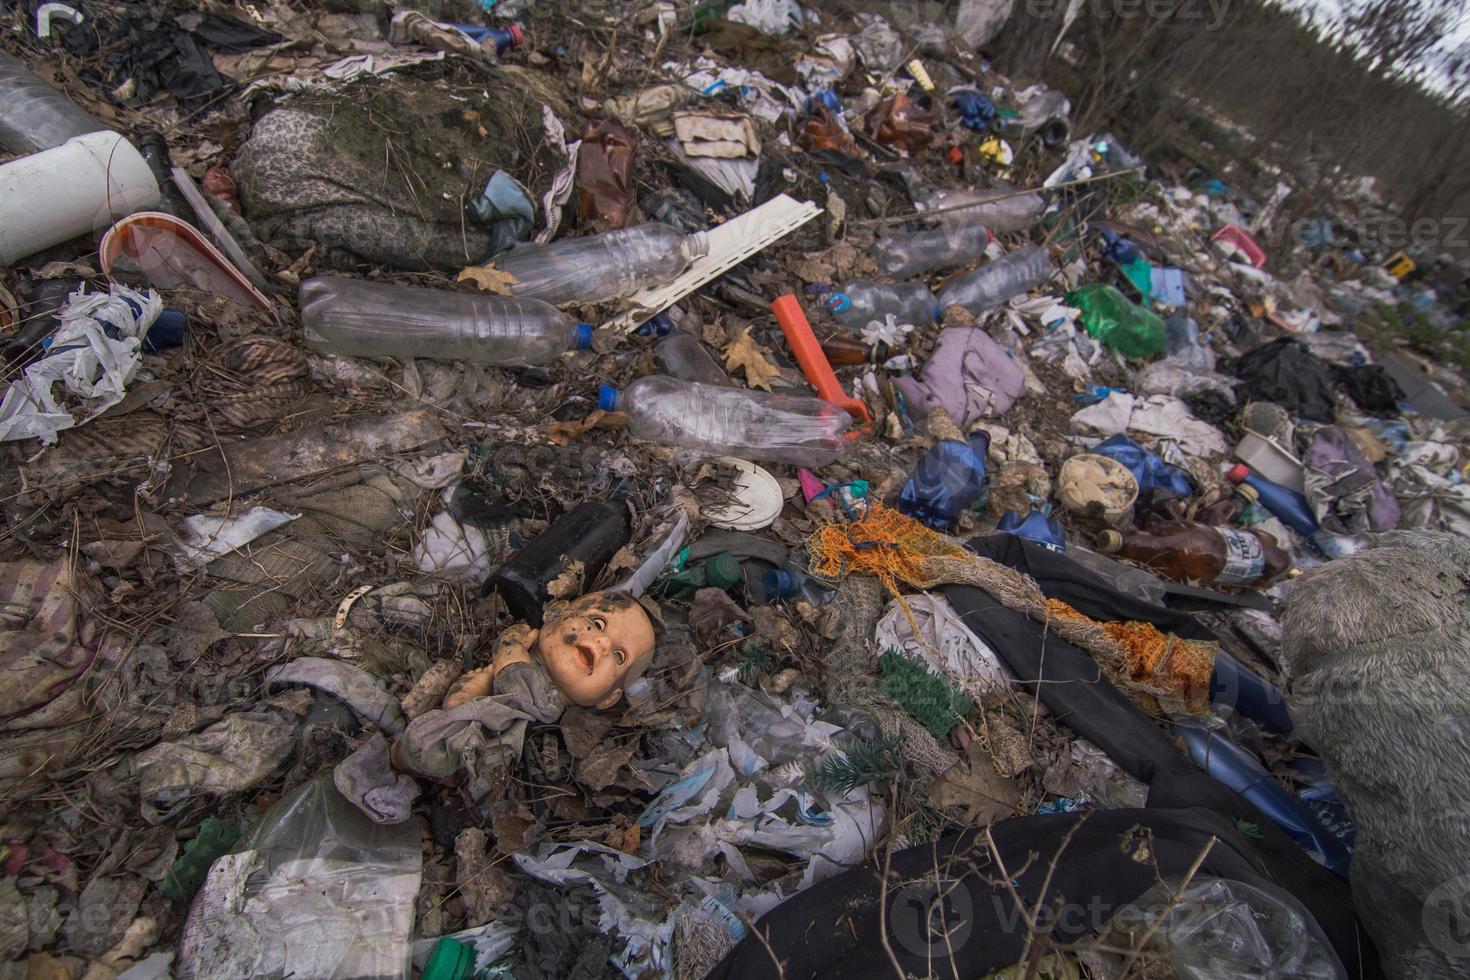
[1376, 653]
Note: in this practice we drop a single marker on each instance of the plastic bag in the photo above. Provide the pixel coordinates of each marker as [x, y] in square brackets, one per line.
[1218, 929]
[318, 890]
[900, 121]
[606, 198]
[949, 478]
[1149, 470]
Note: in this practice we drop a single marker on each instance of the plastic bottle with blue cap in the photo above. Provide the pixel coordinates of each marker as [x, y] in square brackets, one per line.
[858, 302]
[375, 319]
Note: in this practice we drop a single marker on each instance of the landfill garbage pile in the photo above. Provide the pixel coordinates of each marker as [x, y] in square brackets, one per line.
[635, 489]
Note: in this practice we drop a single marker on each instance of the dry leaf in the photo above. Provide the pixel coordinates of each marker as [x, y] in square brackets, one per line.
[488, 279]
[624, 558]
[714, 334]
[745, 354]
[976, 788]
[561, 433]
[568, 585]
[600, 767]
[632, 837]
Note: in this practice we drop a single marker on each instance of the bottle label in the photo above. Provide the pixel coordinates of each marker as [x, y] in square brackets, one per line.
[1245, 559]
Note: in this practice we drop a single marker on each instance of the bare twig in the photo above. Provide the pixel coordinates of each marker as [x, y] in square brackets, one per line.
[1163, 913]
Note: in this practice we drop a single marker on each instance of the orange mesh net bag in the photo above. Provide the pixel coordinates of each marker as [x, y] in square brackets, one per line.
[1158, 670]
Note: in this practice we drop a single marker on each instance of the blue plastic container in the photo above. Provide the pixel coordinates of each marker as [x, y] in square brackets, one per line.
[1243, 772]
[1290, 507]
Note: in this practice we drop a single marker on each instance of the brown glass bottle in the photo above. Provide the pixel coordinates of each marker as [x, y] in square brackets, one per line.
[846, 352]
[1227, 509]
[1190, 551]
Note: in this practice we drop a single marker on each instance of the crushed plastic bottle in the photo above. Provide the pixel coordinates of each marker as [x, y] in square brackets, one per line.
[1013, 274]
[599, 268]
[754, 425]
[681, 355]
[908, 254]
[1000, 209]
[33, 115]
[949, 478]
[796, 583]
[1117, 321]
[371, 319]
[862, 301]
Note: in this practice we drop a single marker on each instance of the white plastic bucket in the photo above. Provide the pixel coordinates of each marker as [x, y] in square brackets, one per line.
[86, 183]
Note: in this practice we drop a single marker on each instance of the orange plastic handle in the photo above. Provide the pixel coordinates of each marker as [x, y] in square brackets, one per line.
[813, 362]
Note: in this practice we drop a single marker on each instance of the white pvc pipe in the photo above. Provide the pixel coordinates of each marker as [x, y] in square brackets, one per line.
[86, 183]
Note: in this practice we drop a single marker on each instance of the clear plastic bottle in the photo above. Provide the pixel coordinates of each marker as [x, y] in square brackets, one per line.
[859, 302]
[996, 282]
[993, 208]
[373, 319]
[598, 268]
[909, 254]
[33, 115]
[681, 355]
[754, 425]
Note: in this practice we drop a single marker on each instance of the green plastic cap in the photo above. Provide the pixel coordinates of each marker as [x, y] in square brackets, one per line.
[722, 571]
[450, 959]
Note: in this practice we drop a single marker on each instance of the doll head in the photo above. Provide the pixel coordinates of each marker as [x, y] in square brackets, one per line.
[595, 646]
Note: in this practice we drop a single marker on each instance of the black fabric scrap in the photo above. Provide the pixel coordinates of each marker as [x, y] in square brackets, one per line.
[954, 887]
[151, 48]
[1371, 388]
[1288, 374]
[561, 939]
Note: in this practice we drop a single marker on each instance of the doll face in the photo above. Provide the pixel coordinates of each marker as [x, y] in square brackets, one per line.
[594, 646]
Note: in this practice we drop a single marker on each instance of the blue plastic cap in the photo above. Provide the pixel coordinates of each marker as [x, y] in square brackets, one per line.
[607, 398]
[584, 336]
[780, 583]
[838, 302]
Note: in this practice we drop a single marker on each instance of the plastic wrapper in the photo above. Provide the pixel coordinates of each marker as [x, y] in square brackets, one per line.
[606, 198]
[822, 131]
[318, 890]
[1218, 929]
[900, 121]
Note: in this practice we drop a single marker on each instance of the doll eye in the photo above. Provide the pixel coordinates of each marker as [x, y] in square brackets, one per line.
[599, 622]
[620, 657]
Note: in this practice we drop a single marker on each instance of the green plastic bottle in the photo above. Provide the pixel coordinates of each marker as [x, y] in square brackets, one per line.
[719, 571]
[1117, 321]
